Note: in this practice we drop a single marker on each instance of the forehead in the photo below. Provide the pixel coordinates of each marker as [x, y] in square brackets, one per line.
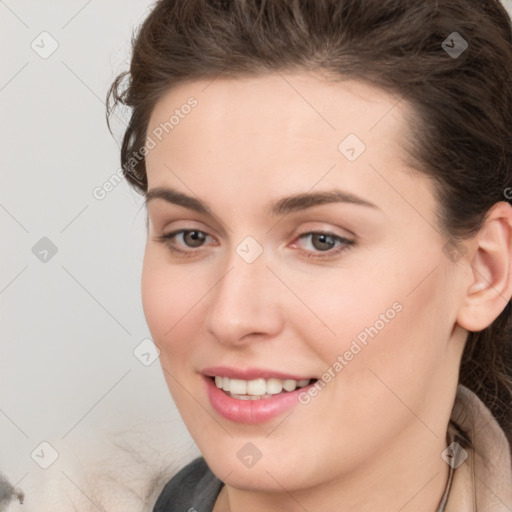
[303, 103]
[276, 131]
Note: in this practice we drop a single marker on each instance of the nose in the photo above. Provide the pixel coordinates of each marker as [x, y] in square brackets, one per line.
[244, 305]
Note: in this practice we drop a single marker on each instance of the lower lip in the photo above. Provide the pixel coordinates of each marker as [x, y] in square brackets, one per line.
[251, 411]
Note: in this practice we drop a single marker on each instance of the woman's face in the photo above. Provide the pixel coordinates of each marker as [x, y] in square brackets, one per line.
[312, 253]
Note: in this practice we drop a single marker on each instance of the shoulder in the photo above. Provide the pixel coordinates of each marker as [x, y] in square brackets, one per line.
[483, 470]
[193, 487]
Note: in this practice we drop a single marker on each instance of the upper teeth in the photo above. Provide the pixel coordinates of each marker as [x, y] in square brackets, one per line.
[258, 387]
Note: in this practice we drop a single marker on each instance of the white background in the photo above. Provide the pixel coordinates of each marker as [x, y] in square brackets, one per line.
[70, 325]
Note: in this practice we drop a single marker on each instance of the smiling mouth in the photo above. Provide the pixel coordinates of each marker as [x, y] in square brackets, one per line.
[257, 389]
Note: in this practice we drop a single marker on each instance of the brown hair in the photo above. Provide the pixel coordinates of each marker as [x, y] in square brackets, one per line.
[462, 103]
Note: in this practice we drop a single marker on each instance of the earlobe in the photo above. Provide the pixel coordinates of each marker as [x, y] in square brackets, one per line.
[490, 288]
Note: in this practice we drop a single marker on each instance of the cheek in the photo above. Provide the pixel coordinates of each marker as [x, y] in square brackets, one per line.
[350, 305]
[157, 299]
[399, 362]
[169, 301]
[393, 316]
[404, 358]
[171, 308]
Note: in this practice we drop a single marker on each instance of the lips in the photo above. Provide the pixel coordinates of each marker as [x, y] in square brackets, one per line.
[261, 394]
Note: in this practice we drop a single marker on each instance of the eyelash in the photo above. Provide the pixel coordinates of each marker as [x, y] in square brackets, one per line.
[345, 244]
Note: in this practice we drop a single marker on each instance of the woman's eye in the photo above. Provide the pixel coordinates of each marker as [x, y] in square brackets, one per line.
[321, 245]
[189, 238]
[327, 243]
[194, 238]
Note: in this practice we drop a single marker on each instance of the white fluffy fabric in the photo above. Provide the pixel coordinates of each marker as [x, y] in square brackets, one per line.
[116, 471]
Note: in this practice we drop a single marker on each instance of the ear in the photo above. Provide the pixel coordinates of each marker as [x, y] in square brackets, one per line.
[490, 284]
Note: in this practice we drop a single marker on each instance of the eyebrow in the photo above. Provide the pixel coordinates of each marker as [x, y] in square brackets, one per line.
[281, 207]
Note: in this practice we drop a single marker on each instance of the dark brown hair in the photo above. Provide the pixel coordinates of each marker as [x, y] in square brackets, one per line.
[462, 134]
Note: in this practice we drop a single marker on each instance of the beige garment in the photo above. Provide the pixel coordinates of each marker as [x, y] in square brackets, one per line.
[483, 482]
